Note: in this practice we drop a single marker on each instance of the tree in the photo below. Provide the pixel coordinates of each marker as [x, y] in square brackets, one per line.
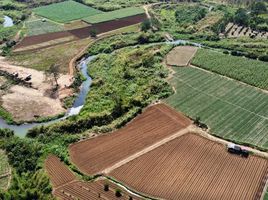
[146, 25]
[54, 72]
[93, 33]
[241, 17]
[258, 8]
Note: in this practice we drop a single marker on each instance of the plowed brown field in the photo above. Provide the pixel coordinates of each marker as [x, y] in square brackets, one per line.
[154, 124]
[66, 186]
[192, 167]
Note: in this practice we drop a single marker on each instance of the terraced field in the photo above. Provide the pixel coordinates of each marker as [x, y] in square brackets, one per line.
[192, 167]
[4, 171]
[37, 27]
[232, 110]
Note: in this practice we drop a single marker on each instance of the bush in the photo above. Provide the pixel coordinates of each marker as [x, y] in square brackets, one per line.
[118, 193]
[264, 58]
[226, 52]
[106, 187]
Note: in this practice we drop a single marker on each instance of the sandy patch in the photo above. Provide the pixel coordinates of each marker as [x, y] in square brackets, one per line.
[181, 55]
[27, 104]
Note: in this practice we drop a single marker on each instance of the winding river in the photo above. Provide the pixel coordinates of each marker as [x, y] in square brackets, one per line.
[21, 130]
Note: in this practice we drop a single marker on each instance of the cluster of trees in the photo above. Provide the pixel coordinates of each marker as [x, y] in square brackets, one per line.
[251, 17]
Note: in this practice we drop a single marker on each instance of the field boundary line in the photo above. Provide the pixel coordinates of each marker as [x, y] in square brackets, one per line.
[189, 85]
[146, 150]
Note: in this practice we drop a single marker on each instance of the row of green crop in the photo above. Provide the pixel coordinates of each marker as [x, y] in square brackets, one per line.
[112, 15]
[249, 71]
[65, 11]
[232, 110]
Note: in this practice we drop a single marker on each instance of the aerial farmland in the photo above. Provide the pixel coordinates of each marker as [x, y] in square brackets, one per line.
[133, 99]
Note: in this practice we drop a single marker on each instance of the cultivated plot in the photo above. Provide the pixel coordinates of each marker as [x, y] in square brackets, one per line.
[232, 110]
[37, 27]
[66, 186]
[156, 123]
[192, 167]
[65, 11]
[181, 55]
[113, 15]
[252, 72]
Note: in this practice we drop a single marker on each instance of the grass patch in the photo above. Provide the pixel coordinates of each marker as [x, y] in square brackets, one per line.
[38, 27]
[117, 14]
[4, 168]
[249, 71]
[65, 11]
[43, 59]
[232, 110]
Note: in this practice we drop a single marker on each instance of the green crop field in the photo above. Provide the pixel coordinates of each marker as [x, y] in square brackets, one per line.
[232, 110]
[247, 70]
[4, 168]
[117, 14]
[38, 27]
[65, 11]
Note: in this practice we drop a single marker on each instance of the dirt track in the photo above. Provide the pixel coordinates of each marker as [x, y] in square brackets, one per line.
[192, 167]
[156, 123]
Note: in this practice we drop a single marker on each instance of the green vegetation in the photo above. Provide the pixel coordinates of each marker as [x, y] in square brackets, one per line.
[26, 156]
[117, 14]
[232, 110]
[118, 41]
[39, 26]
[65, 11]
[249, 71]
[43, 59]
[124, 82]
[116, 4]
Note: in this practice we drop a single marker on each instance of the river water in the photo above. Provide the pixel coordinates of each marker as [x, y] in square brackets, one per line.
[21, 130]
[8, 22]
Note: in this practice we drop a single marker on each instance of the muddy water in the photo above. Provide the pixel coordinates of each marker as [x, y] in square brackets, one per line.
[21, 130]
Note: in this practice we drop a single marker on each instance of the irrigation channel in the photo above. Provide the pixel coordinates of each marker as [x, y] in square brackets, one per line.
[21, 130]
[8, 22]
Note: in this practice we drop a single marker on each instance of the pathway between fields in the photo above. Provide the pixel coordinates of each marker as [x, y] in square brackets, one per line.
[146, 150]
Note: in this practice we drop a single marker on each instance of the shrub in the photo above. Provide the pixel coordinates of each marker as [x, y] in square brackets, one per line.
[264, 58]
[106, 187]
[118, 193]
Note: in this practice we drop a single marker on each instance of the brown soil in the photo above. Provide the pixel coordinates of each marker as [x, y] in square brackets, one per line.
[66, 186]
[81, 33]
[192, 167]
[28, 104]
[181, 55]
[156, 123]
